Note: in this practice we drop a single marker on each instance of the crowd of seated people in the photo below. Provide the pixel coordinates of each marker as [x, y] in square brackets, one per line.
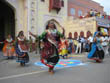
[95, 13]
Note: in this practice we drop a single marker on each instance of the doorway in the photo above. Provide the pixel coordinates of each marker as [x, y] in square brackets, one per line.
[7, 21]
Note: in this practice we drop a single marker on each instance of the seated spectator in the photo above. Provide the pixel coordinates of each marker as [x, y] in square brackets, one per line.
[109, 17]
[98, 14]
[105, 16]
[81, 17]
[95, 13]
[91, 13]
[87, 15]
[102, 16]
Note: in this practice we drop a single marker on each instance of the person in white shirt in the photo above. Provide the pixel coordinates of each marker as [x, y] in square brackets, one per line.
[104, 44]
[82, 43]
[90, 41]
[78, 47]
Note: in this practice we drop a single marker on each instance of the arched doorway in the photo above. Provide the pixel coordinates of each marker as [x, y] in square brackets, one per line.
[88, 34]
[81, 34]
[70, 35]
[7, 21]
[75, 35]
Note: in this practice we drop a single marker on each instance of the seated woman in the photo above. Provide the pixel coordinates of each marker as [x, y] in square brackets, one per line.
[8, 49]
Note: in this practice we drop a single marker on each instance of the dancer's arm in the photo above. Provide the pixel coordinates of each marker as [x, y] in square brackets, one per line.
[32, 34]
[42, 36]
[94, 40]
[39, 37]
[63, 31]
[61, 34]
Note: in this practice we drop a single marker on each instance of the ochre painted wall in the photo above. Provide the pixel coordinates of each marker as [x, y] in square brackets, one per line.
[78, 25]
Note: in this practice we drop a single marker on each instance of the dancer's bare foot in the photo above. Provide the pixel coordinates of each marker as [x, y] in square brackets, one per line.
[99, 60]
[51, 71]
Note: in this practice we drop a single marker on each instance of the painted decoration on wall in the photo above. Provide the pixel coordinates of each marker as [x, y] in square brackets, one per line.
[64, 63]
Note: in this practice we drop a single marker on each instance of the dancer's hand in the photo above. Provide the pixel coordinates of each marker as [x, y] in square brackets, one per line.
[30, 33]
[63, 30]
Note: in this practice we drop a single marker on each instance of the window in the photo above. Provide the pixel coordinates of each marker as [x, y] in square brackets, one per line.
[72, 11]
[79, 13]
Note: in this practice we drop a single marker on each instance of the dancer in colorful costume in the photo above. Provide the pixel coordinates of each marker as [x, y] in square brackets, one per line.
[22, 49]
[8, 49]
[49, 45]
[96, 52]
[63, 48]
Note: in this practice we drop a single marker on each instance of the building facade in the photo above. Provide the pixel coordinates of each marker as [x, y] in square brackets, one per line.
[30, 15]
[33, 15]
[87, 26]
[13, 18]
[78, 8]
[47, 10]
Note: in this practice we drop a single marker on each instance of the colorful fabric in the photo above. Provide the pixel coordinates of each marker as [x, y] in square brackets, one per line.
[24, 59]
[75, 42]
[96, 51]
[21, 51]
[53, 38]
[8, 48]
[47, 51]
[93, 50]
[50, 62]
[63, 52]
[63, 47]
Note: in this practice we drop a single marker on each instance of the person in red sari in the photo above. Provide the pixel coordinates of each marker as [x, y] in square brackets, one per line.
[8, 48]
[49, 40]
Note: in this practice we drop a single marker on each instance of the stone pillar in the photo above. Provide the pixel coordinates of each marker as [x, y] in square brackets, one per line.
[32, 16]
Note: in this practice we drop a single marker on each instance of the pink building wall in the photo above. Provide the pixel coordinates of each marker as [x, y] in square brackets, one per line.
[84, 6]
